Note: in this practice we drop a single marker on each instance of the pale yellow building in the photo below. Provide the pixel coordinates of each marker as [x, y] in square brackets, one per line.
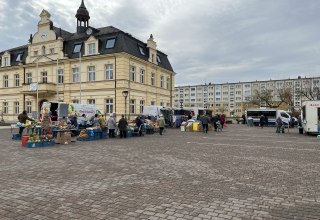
[92, 65]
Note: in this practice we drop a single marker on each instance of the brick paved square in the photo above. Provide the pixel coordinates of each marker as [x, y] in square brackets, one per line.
[240, 173]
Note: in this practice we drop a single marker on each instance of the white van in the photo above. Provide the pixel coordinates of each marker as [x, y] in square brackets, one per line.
[310, 116]
[271, 113]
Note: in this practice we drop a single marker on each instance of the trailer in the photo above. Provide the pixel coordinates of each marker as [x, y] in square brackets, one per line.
[310, 117]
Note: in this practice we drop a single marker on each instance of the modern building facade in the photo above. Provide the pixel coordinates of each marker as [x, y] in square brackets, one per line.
[93, 65]
[233, 99]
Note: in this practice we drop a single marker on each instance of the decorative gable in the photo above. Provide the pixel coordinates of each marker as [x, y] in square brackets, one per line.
[91, 46]
[6, 59]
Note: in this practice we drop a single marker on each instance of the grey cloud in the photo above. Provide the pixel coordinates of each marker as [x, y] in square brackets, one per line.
[206, 41]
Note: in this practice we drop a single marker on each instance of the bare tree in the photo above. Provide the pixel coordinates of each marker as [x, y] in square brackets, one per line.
[266, 97]
[310, 93]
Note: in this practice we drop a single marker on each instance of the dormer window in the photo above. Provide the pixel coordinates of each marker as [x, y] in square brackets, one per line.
[142, 52]
[6, 61]
[91, 49]
[158, 59]
[77, 48]
[110, 43]
[19, 57]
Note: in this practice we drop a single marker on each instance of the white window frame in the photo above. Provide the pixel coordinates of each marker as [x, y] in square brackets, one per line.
[108, 106]
[16, 80]
[142, 74]
[76, 101]
[51, 50]
[132, 73]
[5, 107]
[75, 74]
[28, 78]
[161, 81]
[168, 82]
[6, 61]
[5, 81]
[29, 107]
[44, 76]
[132, 106]
[91, 48]
[153, 77]
[16, 107]
[109, 71]
[60, 76]
[141, 106]
[91, 101]
[91, 73]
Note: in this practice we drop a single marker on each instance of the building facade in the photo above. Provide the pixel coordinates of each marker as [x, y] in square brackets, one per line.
[92, 65]
[233, 99]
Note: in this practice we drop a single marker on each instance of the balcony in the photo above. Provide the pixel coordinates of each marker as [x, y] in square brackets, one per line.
[43, 88]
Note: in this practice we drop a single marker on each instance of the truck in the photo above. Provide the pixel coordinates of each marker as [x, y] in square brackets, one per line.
[310, 117]
[270, 113]
[59, 110]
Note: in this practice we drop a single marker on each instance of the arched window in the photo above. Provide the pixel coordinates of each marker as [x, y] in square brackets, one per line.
[43, 50]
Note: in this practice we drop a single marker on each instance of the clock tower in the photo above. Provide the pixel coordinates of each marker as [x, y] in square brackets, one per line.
[83, 18]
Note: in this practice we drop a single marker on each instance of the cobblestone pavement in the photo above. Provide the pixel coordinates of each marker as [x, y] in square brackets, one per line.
[240, 173]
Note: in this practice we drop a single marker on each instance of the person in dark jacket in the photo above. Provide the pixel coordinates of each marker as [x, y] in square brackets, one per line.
[139, 122]
[205, 122]
[23, 117]
[262, 121]
[214, 120]
[123, 127]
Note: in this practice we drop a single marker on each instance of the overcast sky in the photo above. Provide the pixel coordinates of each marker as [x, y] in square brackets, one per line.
[206, 41]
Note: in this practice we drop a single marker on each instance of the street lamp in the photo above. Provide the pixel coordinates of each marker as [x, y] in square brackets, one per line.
[125, 94]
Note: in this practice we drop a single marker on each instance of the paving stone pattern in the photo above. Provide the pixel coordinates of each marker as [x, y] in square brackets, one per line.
[240, 173]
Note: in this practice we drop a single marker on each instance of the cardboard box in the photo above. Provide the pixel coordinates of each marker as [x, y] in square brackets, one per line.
[63, 137]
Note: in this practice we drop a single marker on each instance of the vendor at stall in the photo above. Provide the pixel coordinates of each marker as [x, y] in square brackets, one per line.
[23, 117]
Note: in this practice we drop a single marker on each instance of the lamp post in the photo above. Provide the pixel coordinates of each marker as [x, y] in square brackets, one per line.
[125, 94]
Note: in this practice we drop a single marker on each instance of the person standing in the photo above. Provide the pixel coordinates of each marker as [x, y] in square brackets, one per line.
[96, 121]
[222, 120]
[112, 126]
[205, 122]
[161, 124]
[139, 122]
[102, 123]
[279, 124]
[23, 117]
[123, 127]
[262, 121]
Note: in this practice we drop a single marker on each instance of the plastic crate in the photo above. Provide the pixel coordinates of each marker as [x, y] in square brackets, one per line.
[103, 135]
[48, 143]
[97, 135]
[34, 144]
[85, 139]
[16, 137]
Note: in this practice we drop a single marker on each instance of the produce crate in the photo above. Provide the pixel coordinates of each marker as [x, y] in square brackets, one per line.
[103, 135]
[34, 144]
[85, 139]
[149, 130]
[97, 135]
[16, 136]
[48, 143]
